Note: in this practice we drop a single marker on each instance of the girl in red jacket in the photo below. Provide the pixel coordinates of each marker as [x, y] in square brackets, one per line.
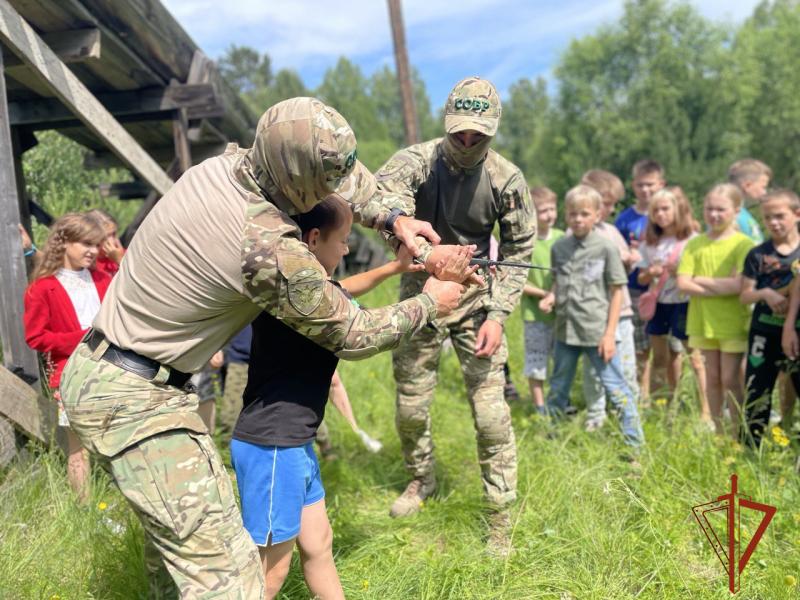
[60, 306]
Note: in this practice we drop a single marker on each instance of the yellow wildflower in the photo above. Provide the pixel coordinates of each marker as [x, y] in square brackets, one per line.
[779, 436]
[365, 584]
[790, 580]
[661, 402]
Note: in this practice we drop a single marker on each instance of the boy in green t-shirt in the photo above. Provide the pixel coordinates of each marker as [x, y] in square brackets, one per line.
[538, 324]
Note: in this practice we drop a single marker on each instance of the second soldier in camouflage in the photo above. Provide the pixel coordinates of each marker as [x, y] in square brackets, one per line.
[463, 188]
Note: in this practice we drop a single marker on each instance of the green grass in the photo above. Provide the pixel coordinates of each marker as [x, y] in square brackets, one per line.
[586, 526]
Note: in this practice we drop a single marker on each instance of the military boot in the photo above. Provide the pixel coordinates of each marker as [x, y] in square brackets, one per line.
[498, 540]
[410, 501]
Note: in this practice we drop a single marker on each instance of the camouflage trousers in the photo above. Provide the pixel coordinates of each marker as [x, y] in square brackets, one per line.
[231, 404]
[416, 366]
[156, 448]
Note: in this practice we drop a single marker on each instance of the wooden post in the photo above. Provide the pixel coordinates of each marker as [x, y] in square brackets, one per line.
[180, 134]
[13, 279]
[403, 73]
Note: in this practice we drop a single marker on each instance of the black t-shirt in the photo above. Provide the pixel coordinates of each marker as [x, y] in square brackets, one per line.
[770, 269]
[287, 386]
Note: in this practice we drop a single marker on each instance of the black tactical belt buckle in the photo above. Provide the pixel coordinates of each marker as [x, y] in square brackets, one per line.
[133, 362]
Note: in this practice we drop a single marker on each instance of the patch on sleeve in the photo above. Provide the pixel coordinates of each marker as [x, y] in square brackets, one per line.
[306, 287]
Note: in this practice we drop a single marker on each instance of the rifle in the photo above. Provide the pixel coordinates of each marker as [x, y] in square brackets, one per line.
[486, 263]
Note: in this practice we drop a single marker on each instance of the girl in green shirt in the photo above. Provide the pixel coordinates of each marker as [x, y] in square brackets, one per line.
[710, 273]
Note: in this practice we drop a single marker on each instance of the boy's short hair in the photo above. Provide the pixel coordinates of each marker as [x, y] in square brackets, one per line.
[783, 193]
[729, 191]
[648, 166]
[583, 194]
[747, 169]
[329, 214]
[605, 182]
[542, 193]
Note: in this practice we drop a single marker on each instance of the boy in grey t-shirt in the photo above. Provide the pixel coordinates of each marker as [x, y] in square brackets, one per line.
[587, 295]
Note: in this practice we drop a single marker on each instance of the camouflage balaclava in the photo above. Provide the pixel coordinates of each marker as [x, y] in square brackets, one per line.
[473, 104]
[303, 151]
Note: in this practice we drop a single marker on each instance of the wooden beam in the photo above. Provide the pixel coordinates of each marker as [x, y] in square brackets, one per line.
[31, 412]
[73, 46]
[29, 47]
[13, 277]
[126, 190]
[149, 104]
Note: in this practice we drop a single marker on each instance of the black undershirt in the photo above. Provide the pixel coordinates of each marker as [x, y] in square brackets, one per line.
[287, 386]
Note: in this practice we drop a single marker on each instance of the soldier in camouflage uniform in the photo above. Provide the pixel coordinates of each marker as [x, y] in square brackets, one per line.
[463, 188]
[219, 248]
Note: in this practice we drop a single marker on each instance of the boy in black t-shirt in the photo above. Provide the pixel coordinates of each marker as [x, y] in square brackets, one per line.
[767, 278]
[289, 376]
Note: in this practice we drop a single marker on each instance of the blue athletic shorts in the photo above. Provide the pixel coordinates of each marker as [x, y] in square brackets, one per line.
[275, 483]
[669, 319]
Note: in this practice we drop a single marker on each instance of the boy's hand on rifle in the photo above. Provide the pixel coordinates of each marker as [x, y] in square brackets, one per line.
[451, 263]
[405, 262]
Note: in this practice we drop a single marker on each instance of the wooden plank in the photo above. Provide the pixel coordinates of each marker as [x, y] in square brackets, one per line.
[126, 190]
[13, 277]
[148, 104]
[26, 44]
[180, 130]
[70, 46]
[30, 412]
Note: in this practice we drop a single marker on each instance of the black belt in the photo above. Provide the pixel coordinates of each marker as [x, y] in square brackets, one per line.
[133, 362]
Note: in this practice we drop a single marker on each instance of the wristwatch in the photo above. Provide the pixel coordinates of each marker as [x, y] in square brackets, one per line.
[388, 226]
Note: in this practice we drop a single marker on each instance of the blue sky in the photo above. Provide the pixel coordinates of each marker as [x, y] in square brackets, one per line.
[502, 40]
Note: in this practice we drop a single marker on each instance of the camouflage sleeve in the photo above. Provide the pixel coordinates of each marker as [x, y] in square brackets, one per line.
[517, 236]
[398, 182]
[285, 279]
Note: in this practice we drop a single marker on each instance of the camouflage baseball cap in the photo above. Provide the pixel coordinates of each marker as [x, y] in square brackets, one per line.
[472, 104]
[308, 150]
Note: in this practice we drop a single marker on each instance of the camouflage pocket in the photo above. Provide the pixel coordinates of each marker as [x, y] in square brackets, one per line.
[170, 481]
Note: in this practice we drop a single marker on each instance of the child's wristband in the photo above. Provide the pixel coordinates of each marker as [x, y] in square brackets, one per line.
[30, 251]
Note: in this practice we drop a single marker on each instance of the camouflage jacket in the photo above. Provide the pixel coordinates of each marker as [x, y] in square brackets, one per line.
[404, 177]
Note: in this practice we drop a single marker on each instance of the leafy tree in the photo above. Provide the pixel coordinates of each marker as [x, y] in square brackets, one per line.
[765, 57]
[659, 84]
[384, 90]
[346, 89]
[525, 116]
[245, 69]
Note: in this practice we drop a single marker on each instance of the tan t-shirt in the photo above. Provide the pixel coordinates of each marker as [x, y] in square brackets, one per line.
[210, 256]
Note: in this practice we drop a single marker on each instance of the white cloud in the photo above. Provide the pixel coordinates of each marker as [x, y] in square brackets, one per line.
[500, 39]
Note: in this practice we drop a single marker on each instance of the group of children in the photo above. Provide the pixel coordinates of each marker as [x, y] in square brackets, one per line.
[633, 295]
[654, 281]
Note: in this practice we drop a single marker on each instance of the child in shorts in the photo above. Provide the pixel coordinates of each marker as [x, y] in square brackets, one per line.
[710, 273]
[587, 297]
[538, 324]
[769, 270]
[669, 227]
[289, 377]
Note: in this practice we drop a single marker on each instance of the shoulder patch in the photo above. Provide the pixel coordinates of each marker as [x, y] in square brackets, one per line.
[306, 287]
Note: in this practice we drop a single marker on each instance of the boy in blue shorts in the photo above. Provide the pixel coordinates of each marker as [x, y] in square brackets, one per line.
[289, 376]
